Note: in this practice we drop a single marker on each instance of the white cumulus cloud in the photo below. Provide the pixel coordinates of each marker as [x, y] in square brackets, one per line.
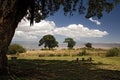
[27, 32]
[95, 21]
[78, 31]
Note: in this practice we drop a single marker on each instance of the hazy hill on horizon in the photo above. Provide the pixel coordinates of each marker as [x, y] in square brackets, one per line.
[34, 45]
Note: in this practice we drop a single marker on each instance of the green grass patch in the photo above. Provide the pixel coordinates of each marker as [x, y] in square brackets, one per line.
[64, 68]
[56, 66]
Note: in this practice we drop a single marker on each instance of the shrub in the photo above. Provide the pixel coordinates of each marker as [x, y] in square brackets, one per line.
[84, 52]
[65, 54]
[79, 54]
[42, 55]
[88, 45]
[59, 55]
[16, 48]
[113, 52]
[51, 55]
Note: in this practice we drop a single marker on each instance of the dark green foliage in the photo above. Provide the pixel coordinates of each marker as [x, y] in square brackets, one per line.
[49, 41]
[71, 43]
[96, 8]
[45, 8]
[40, 9]
[88, 45]
[113, 52]
[42, 55]
[15, 48]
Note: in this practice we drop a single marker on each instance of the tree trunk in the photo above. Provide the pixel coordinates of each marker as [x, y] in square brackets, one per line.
[11, 13]
[6, 34]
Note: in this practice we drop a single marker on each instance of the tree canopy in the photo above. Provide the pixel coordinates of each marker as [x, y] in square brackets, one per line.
[40, 9]
[71, 42]
[88, 45]
[49, 41]
[36, 10]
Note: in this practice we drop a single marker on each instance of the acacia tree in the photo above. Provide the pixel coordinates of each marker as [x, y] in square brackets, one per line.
[88, 45]
[71, 42]
[12, 11]
[48, 41]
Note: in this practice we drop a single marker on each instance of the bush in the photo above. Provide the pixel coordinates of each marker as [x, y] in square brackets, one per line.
[65, 54]
[79, 54]
[16, 48]
[88, 45]
[84, 52]
[113, 52]
[42, 55]
[51, 55]
[58, 55]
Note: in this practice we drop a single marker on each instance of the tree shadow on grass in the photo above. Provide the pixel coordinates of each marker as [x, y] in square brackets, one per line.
[58, 70]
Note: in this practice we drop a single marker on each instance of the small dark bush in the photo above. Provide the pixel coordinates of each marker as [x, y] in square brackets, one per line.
[42, 55]
[113, 52]
[59, 55]
[88, 45]
[13, 58]
[65, 54]
[79, 54]
[84, 52]
[51, 55]
[16, 48]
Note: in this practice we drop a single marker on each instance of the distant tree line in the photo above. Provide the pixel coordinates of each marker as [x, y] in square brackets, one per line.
[50, 42]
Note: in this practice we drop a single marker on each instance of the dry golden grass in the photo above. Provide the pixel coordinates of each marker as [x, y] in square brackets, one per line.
[64, 52]
[62, 67]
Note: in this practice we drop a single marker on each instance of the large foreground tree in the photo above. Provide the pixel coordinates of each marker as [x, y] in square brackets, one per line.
[12, 11]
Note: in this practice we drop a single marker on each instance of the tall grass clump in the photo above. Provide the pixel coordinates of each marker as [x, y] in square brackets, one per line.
[41, 55]
[83, 52]
[113, 52]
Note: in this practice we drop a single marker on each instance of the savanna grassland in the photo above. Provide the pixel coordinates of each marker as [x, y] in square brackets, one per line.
[63, 65]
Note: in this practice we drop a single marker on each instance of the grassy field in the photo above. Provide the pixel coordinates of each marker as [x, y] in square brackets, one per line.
[65, 52]
[32, 66]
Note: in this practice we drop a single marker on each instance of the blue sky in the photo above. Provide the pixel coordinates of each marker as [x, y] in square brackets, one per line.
[104, 30]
